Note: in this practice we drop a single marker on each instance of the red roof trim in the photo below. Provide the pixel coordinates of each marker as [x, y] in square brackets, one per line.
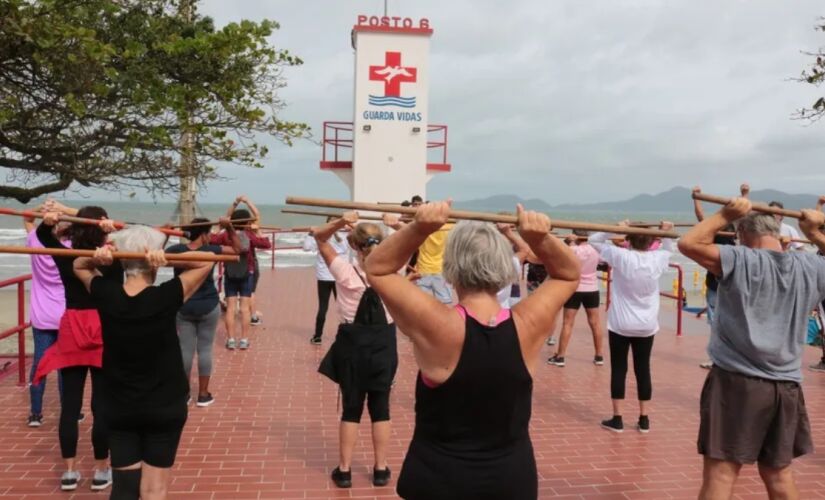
[333, 165]
[440, 167]
[390, 29]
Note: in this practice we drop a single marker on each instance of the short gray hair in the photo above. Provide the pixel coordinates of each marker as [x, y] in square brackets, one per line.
[478, 257]
[137, 239]
[757, 224]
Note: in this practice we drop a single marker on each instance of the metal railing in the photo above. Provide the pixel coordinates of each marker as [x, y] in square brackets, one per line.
[679, 297]
[22, 324]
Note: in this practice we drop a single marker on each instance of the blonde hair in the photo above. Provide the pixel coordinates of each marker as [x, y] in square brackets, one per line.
[365, 236]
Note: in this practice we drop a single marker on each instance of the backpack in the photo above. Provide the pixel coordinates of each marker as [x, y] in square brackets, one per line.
[239, 270]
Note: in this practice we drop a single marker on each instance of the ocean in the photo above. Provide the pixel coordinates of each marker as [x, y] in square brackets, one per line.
[12, 233]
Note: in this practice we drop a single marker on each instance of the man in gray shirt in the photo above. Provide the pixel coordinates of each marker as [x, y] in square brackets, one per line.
[752, 408]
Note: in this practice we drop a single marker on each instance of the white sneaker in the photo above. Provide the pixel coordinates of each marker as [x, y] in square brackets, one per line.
[102, 479]
[243, 344]
[230, 344]
[69, 480]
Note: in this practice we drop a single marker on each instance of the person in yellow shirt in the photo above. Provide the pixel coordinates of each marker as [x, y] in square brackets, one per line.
[430, 259]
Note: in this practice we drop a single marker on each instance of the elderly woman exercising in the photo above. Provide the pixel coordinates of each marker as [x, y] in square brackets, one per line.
[476, 360]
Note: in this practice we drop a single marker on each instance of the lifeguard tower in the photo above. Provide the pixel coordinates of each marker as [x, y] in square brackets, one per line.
[390, 150]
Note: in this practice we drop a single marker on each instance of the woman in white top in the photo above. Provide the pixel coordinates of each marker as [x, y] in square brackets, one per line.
[325, 280]
[633, 317]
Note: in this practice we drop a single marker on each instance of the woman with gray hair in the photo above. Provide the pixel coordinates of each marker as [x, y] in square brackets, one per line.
[143, 376]
[476, 360]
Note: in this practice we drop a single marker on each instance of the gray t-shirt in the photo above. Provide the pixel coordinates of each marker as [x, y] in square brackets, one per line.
[765, 298]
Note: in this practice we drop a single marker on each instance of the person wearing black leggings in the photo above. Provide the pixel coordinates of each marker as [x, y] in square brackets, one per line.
[79, 347]
[326, 282]
[633, 317]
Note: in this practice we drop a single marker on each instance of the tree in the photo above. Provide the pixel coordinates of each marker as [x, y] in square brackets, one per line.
[814, 75]
[101, 92]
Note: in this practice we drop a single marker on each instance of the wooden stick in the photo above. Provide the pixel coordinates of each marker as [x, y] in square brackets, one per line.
[214, 223]
[757, 207]
[338, 215]
[71, 252]
[81, 220]
[657, 224]
[480, 216]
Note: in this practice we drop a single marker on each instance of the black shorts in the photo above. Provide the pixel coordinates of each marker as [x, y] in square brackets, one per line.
[149, 435]
[590, 300]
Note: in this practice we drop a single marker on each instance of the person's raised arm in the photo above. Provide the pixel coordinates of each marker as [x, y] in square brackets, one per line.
[86, 268]
[252, 208]
[232, 235]
[535, 315]
[697, 205]
[392, 221]
[418, 314]
[697, 244]
[598, 241]
[667, 243]
[811, 224]
[523, 252]
[324, 233]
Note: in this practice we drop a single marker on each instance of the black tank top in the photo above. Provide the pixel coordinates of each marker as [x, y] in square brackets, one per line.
[471, 439]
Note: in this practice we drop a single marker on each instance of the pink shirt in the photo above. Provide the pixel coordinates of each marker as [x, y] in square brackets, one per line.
[48, 301]
[589, 258]
[349, 288]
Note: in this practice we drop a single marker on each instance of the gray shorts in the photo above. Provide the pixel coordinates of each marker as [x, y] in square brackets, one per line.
[436, 285]
[747, 419]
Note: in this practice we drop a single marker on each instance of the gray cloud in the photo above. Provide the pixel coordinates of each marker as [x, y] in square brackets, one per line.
[567, 100]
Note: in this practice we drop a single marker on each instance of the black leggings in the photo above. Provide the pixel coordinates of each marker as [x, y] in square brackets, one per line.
[378, 405]
[642, 346]
[74, 381]
[324, 289]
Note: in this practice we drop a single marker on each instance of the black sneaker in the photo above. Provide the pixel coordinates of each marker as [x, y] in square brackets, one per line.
[35, 420]
[644, 424]
[315, 341]
[204, 401]
[614, 424]
[381, 477]
[598, 360]
[556, 360]
[342, 479]
[255, 321]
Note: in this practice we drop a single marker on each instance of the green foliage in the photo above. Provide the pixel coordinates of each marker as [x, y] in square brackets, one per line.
[103, 92]
[814, 75]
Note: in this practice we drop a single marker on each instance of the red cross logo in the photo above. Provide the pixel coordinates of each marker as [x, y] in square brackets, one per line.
[393, 74]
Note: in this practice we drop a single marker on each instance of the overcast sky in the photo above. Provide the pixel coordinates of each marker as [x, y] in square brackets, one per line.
[567, 100]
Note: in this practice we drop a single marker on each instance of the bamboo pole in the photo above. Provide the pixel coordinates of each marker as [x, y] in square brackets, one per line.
[479, 216]
[71, 252]
[338, 215]
[81, 220]
[213, 223]
[757, 207]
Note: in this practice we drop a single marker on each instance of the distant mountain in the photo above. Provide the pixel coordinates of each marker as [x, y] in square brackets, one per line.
[676, 199]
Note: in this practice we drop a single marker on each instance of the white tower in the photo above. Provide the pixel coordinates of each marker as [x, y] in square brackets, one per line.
[394, 149]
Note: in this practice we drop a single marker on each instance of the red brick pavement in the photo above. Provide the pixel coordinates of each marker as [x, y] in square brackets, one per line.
[272, 432]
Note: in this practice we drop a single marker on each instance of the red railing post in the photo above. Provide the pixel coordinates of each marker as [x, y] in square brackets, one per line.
[272, 262]
[21, 335]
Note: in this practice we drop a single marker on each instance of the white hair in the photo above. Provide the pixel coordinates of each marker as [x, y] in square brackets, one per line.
[138, 238]
[757, 224]
[478, 257]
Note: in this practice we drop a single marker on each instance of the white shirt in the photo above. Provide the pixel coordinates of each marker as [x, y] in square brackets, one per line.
[789, 231]
[341, 248]
[634, 305]
[503, 295]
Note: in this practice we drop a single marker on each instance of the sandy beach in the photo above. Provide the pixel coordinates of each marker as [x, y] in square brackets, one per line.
[8, 319]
